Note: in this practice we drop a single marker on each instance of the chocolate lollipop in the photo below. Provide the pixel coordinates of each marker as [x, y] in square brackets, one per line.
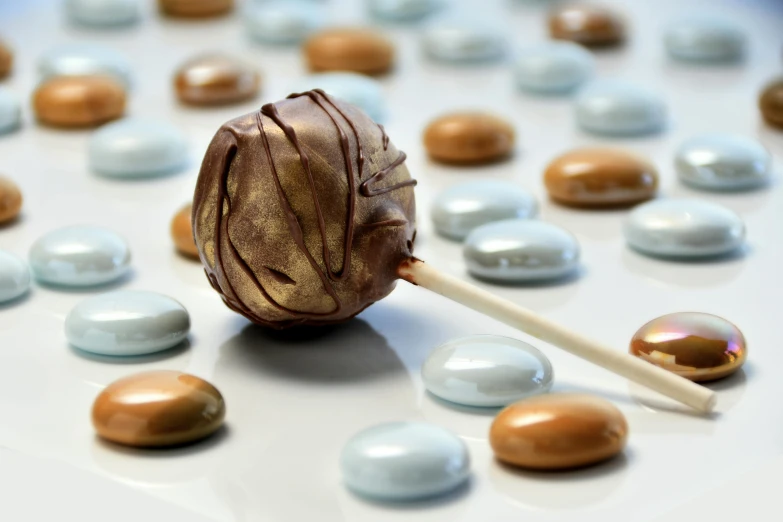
[304, 213]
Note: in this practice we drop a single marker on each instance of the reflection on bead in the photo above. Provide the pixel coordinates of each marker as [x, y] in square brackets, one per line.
[486, 370]
[619, 109]
[463, 40]
[461, 208]
[84, 60]
[705, 39]
[553, 67]
[404, 461]
[697, 346]
[723, 162]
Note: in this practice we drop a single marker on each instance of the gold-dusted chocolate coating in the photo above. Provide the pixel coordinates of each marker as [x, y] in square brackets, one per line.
[558, 431]
[195, 8]
[10, 200]
[158, 408]
[6, 60]
[79, 101]
[694, 345]
[303, 211]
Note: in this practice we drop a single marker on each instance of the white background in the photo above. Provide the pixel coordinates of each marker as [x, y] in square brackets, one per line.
[293, 401]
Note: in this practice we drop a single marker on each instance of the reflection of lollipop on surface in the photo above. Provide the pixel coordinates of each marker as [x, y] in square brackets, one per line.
[304, 213]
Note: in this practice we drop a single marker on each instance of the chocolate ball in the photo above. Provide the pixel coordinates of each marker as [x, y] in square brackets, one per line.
[303, 211]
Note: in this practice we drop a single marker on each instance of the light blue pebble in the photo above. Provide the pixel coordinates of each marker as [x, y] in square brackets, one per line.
[684, 228]
[402, 10]
[404, 461]
[723, 162]
[464, 39]
[135, 147]
[705, 39]
[14, 276]
[618, 108]
[458, 210]
[10, 111]
[129, 322]
[84, 59]
[553, 67]
[520, 250]
[357, 89]
[79, 256]
[283, 21]
[486, 371]
[103, 13]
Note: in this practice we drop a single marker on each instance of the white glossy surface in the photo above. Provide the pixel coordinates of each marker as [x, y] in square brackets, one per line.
[14, 276]
[103, 13]
[704, 38]
[359, 89]
[401, 461]
[461, 208]
[553, 67]
[402, 10]
[127, 323]
[464, 38]
[684, 228]
[520, 250]
[10, 111]
[723, 162]
[282, 21]
[79, 256]
[486, 371]
[279, 392]
[137, 148]
[78, 59]
[616, 108]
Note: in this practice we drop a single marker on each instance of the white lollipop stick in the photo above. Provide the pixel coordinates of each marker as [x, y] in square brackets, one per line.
[621, 363]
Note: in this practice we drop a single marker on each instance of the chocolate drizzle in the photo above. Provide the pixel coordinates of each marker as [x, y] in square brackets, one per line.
[273, 273]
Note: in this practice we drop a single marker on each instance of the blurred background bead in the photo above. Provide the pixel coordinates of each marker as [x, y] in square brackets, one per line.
[10, 111]
[134, 147]
[486, 371]
[84, 60]
[684, 228]
[558, 431]
[182, 232]
[461, 208]
[520, 250]
[600, 177]
[127, 323]
[553, 67]
[158, 408]
[79, 101]
[79, 256]
[14, 276]
[103, 13]
[357, 89]
[349, 49]
[586, 24]
[6, 59]
[403, 461]
[195, 8]
[215, 79]
[771, 103]
[402, 10]
[705, 39]
[10, 200]
[723, 162]
[464, 39]
[697, 346]
[283, 21]
[618, 108]
[468, 138]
